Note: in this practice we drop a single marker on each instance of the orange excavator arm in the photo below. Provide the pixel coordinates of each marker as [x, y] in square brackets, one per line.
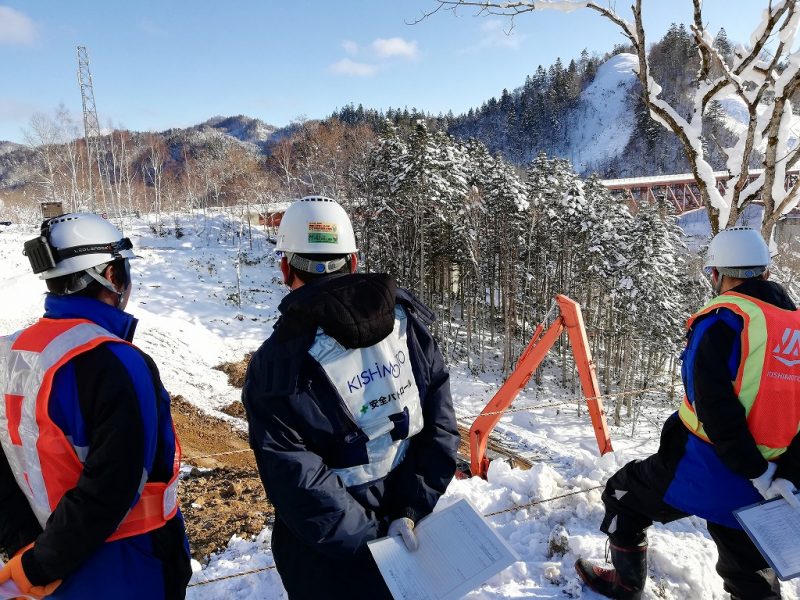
[571, 318]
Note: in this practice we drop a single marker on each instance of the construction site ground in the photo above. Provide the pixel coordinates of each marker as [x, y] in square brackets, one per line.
[222, 495]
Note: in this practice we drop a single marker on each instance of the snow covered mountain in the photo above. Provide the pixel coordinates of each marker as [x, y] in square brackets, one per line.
[18, 163]
[245, 129]
[254, 135]
[588, 112]
[6, 147]
[602, 123]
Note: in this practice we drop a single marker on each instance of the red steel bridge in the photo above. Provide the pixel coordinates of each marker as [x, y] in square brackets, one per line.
[680, 191]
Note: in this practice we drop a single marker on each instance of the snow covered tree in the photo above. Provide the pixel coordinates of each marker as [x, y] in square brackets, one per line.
[762, 83]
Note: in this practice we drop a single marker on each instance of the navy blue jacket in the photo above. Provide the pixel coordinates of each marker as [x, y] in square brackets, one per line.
[111, 400]
[299, 430]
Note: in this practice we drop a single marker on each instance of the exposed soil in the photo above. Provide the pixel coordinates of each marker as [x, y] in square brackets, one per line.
[235, 409]
[202, 434]
[229, 498]
[220, 503]
[236, 370]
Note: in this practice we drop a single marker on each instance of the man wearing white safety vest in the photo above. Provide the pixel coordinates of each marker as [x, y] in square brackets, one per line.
[90, 461]
[734, 440]
[349, 408]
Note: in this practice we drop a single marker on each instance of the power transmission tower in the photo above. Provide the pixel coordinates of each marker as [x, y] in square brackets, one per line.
[91, 127]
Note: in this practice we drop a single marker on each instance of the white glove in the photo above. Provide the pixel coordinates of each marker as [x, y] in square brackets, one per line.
[405, 528]
[763, 481]
[784, 487]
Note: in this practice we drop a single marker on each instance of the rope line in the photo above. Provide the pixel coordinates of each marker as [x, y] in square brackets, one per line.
[487, 515]
[232, 576]
[537, 502]
[218, 454]
[574, 400]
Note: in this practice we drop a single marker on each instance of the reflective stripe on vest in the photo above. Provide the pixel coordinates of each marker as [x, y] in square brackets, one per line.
[767, 384]
[44, 461]
[374, 383]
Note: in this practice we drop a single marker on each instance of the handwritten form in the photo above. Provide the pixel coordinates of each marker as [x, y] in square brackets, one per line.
[458, 551]
[774, 527]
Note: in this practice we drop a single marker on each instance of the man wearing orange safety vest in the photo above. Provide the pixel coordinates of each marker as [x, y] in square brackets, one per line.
[734, 440]
[90, 461]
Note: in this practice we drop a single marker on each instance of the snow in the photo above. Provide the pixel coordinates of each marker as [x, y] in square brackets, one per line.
[606, 121]
[189, 323]
[559, 5]
[736, 118]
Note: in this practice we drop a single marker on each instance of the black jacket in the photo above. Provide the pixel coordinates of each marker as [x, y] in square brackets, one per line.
[299, 431]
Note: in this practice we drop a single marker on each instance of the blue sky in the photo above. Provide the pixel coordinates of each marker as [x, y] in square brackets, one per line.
[173, 63]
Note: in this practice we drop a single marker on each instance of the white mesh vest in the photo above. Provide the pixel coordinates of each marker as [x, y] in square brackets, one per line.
[374, 383]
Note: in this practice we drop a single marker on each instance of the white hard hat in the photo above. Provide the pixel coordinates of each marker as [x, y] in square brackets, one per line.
[316, 225]
[736, 249]
[76, 242]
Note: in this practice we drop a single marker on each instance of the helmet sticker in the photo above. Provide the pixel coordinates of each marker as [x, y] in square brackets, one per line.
[322, 233]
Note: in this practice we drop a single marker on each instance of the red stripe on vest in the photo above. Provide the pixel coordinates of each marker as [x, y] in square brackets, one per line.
[14, 414]
[36, 337]
[62, 469]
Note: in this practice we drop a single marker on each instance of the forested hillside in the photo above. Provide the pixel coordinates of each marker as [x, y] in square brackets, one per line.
[587, 110]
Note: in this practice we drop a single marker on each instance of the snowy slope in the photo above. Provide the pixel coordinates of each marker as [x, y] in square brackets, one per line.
[189, 323]
[603, 122]
[736, 118]
[184, 297]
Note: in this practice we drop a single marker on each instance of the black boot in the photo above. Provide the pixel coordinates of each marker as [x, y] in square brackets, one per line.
[625, 581]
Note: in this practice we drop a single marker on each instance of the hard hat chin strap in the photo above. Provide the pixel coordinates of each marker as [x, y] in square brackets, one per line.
[94, 274]
[717, 287]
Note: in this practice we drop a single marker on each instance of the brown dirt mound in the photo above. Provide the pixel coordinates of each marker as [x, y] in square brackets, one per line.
[202, 434]
[235, 409]
[236, 370]
[229, 499]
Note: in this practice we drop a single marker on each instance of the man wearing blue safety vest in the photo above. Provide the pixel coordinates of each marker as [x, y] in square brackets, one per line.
[349, 408]
[734, 440]
[90, 461]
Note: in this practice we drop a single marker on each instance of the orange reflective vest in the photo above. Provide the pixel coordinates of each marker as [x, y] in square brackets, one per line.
[45, 463]
[768, 380]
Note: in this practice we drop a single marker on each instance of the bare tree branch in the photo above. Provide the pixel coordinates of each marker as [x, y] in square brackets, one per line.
[705, 53]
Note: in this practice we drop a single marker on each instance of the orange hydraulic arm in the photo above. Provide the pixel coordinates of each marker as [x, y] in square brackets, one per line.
[570, 317]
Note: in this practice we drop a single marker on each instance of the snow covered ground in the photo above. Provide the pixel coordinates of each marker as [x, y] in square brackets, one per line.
[185, 298]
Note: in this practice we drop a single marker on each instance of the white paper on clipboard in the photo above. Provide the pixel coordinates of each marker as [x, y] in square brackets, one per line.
[774, 527]
[458, 551]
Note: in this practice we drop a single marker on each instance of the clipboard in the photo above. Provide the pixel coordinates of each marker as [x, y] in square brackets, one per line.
[774, 527]
[458, 551]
